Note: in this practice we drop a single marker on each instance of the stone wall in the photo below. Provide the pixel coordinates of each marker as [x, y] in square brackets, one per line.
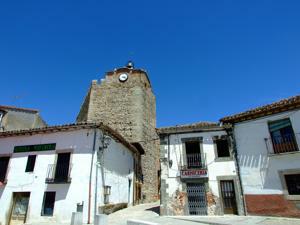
[130, 108]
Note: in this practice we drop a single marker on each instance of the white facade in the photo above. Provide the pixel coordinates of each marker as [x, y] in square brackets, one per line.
[173, 154]
[260, 167]
[115, 169]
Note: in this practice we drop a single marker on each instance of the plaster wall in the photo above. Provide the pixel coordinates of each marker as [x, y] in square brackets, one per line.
[118, 161]
[170, 175]
[118, 173]
[259, 166]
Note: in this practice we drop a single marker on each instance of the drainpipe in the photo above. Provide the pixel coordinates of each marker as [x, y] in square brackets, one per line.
[170, 163]
[230, 133]
[90, 181]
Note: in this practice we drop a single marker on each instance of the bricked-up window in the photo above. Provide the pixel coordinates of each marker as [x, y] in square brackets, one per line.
[48, 203]
[3, 168]
[222, 148]
[30, 163]
[293, 183]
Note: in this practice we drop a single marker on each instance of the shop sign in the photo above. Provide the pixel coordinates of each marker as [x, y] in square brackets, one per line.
[34, 148]
[193, 173]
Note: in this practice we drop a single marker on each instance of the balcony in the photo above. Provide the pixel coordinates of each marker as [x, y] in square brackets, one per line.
[58, 173]
[195, 161]
[194, 167]
[281, 144]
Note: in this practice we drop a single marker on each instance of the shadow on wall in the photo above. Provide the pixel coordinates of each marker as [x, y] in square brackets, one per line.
[267, 167]
[60, 189]
[259, 162]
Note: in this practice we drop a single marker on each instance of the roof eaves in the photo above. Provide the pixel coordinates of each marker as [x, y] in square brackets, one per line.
[5, 107]
[269, 109]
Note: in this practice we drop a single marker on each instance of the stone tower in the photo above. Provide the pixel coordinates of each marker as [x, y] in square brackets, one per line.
[124, 101]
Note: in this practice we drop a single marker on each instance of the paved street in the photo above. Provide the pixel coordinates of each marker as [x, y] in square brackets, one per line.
[149, 212]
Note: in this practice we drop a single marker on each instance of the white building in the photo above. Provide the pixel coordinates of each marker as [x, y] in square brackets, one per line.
[267, 144]
[48, 173]
[15, 118]
[198, 171]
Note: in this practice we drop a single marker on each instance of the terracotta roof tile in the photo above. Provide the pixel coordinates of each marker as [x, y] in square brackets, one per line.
[68, 127]
[200, 126]
[273, 108]
[5, 107]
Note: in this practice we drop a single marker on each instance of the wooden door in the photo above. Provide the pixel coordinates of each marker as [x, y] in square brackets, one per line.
[228, 196]
[20, 207]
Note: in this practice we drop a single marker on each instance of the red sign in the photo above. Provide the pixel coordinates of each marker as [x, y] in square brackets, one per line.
[200, 173]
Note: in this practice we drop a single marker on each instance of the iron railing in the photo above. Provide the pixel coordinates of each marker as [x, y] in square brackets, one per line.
[195, 160]
[282, 144]
[59, 173]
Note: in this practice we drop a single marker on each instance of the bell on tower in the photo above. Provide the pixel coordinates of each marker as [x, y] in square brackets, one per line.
[130, 65]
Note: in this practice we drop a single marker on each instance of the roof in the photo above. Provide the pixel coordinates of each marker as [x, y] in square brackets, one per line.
[187, 128]
[273, 108]
[70, 127]
[4, 107]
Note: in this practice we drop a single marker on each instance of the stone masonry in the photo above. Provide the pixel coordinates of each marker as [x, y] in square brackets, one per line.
[129, 107]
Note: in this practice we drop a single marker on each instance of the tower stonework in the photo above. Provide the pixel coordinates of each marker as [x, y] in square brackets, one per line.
[124, 101]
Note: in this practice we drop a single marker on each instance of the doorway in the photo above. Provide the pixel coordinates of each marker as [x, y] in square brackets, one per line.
[62, 167]
[193, 154]
[196, 194]
[228, 196]
[19, 208]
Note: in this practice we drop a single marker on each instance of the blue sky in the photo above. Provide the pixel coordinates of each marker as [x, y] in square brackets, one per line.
[205, 59]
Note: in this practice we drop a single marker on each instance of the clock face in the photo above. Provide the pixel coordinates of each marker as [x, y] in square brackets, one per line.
[123, 77]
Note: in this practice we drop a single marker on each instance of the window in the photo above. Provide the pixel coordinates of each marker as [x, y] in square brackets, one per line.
[3, 168]
[222, 148]
[293, 183]
[30, 163]
[1, 116]
[193, 155]
[282, 136]
[48, 204]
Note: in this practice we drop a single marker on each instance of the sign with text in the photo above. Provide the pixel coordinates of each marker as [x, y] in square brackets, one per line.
[34, 148]
[193, 173]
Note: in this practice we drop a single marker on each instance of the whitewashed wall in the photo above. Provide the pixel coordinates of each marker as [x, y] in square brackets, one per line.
[224, 168]
[259, 170]
[118, 164]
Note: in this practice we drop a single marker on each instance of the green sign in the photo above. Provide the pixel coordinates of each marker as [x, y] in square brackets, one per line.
[34, 148]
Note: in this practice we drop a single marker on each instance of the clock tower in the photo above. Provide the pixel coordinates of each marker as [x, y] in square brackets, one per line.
[124, 100]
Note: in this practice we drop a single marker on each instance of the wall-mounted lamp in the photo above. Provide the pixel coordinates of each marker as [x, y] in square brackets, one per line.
[170, 163]
[107, 190]
[106, 141]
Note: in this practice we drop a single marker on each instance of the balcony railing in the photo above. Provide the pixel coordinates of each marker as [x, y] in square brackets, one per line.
[195, 160]
[59, 173]
[282, 144]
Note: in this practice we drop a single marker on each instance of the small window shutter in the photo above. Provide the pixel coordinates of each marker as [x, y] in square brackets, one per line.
[277, 125]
